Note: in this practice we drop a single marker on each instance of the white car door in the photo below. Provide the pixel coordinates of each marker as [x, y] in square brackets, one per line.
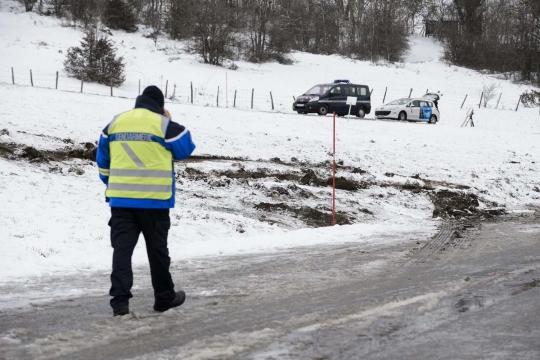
[413, 110]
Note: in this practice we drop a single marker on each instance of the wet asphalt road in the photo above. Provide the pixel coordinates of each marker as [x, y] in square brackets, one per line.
[468, 293]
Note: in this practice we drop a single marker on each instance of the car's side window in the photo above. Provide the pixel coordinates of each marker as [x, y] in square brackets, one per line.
[347, 90]
[423, 104]
[336, 90]
[351, 91]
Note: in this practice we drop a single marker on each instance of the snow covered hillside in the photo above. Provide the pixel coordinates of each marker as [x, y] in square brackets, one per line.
[258, 181]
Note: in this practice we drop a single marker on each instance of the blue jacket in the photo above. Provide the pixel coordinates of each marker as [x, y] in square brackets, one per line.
[181, 148]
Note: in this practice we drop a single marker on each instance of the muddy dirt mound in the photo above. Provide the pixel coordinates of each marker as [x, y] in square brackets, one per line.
[346, 184]
[264, 206]
[312, 217]
[83, 151]
[200, 158]
[298, 191]
[7, 150]
[311, 178]
[34, 155]
[260, 173]
[454, 204]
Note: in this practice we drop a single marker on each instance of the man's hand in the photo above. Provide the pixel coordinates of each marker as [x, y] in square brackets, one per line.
[166, 113]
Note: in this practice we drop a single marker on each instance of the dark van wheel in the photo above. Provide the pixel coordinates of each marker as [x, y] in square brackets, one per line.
[323, 110]
[402, 116]
[433, 119]
[361, 113]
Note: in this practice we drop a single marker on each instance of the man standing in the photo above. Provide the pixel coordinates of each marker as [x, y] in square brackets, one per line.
[135, 160]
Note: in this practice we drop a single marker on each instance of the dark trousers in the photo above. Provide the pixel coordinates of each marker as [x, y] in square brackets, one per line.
[126, 226]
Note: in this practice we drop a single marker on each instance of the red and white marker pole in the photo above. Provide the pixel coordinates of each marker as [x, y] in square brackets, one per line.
[334, 174]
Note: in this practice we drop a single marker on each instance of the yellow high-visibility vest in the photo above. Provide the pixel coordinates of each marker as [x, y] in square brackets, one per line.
[141, 167]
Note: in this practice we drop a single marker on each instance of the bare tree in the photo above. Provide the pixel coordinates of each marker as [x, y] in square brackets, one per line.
[28, 4]
[489, 92]
[213, 32]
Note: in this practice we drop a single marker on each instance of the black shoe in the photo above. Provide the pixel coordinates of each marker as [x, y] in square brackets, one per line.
[164, 305]
[121, 311]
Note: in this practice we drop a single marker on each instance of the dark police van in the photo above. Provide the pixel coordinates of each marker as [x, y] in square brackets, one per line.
[327, 98]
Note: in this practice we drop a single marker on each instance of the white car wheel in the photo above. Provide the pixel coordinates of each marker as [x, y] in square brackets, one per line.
[402, 116]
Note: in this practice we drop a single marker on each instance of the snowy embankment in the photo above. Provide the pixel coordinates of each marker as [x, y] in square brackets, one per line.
[54, 220]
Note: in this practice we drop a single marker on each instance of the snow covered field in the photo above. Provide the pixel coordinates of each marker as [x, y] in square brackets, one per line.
[54, 220]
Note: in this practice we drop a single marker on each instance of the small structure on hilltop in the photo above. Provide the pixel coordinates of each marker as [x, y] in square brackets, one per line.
[441, 27]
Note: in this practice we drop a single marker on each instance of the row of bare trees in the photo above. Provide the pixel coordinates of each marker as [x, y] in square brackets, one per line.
[501, 36]
[258, 30]
[497, 35]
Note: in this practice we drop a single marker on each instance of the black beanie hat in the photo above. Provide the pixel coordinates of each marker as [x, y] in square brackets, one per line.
[154, 93]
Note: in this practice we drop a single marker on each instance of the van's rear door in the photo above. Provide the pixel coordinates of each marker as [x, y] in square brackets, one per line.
[364, 97]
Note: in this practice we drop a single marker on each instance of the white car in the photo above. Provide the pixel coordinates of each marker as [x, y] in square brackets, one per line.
[421, 109]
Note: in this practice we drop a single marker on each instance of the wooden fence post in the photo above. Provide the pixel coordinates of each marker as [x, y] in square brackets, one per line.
[217, 99]
[498, 101]
[463, 103]
[234, 103]
[272, 100]
[82, 83]
[166, 87]
[12, 76]
[31, 78]
[481, 97]
[192, 92]
[385, 90]
[410, 93]
[139, 86]
[252, 93]
[111, 89]
[57, 80]
[517, 106]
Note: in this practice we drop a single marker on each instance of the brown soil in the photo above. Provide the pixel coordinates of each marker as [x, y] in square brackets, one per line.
[312, 217]
[260, 173]
[84, 151]
[454, 204]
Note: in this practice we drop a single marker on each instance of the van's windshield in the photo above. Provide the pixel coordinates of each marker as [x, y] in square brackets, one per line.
[318, 90]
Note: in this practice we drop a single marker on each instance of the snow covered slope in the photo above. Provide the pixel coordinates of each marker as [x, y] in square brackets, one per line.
[53, 216]
[40, 43]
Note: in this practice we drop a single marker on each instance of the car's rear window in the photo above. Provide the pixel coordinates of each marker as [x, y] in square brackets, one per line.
[361, 90]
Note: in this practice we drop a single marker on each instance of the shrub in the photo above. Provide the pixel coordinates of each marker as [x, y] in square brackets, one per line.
[531, 98]
[95, 60]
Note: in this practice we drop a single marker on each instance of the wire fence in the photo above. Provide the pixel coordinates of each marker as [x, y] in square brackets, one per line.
[184, 92]
[254, 98]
